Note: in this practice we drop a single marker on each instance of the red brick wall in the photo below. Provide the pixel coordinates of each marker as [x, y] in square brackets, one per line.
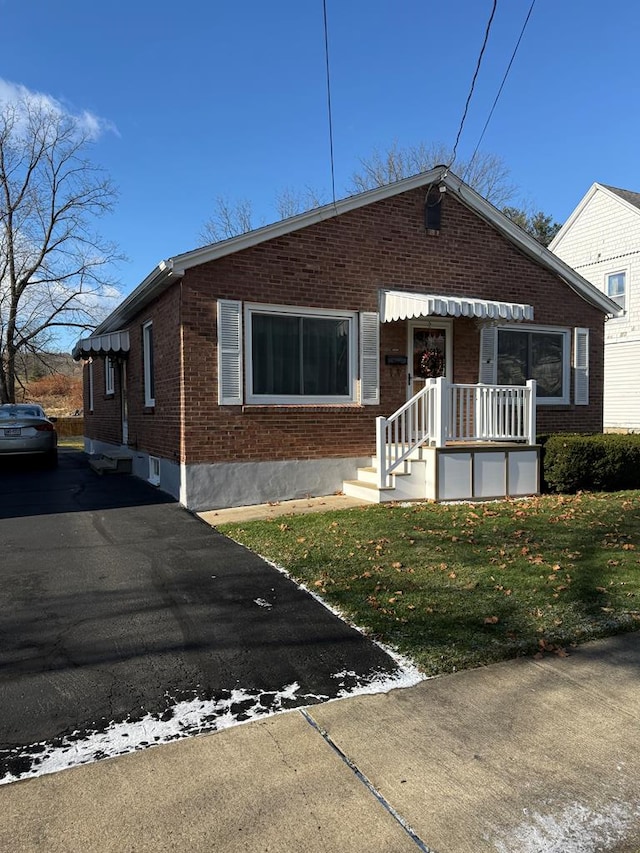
[105, 422]
[341, 263]
[155, 430]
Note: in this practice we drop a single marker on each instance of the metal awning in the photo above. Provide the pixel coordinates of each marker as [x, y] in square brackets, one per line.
[114, 344]
[399, 305]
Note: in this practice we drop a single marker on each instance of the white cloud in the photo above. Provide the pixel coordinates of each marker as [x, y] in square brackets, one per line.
[87, 122]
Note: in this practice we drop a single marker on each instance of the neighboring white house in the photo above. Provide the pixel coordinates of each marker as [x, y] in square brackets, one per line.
[601, 241]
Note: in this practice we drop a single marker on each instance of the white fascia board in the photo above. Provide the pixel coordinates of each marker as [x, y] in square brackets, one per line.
[530, 246]
[303, 220]
[153, 285]
[175, 267]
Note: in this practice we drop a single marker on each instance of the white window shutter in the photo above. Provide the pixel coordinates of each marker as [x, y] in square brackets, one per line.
[488, 372]
[581, 367]
[229, 352]
[369, 358]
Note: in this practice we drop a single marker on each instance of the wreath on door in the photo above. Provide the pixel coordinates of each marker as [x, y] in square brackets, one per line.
[432, 363]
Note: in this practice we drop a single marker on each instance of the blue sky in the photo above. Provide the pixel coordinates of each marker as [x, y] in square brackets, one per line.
[197, 99]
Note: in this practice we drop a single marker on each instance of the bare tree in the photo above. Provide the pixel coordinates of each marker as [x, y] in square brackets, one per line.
[290, 202]
[486, 173]
[229, 219]
[54, 269]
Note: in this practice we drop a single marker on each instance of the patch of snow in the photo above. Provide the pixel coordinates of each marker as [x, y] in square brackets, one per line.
[186, 718]
[197, 716]
[576, 829]
[183, 719]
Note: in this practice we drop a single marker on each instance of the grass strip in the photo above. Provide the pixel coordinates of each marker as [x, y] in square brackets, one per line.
[460, 586]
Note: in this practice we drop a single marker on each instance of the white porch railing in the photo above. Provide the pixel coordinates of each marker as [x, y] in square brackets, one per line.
[442, 412]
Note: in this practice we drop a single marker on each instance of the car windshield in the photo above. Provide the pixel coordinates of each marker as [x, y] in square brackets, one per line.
[9, 412]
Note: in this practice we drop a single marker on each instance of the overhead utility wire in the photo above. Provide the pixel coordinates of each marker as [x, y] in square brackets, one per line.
[326, 54]
[473, 83]
[504, 80]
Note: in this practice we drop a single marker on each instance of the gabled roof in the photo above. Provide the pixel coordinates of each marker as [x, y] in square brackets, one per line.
[627, 195]
[626, 198]
[171, 269]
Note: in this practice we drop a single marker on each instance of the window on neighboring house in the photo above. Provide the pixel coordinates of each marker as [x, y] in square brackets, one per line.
[300, 355]
[109, 376]
[147, 356]
[617, 288]
[511, 356]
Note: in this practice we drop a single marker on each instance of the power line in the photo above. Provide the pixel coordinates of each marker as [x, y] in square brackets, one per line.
[504, 80]
[473, 82]
[326, 54]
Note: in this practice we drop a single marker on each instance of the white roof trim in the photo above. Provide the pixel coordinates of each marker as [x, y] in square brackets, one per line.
[113, 344]
[173, 268]
[577, 211]
[398, 305]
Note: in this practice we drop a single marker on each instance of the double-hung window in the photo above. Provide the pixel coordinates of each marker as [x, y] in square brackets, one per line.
[147, 357]
[617, 288]
[297, 355]
[109, 376]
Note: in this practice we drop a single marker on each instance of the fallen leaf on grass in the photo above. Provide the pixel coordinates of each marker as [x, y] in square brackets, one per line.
[491, 620]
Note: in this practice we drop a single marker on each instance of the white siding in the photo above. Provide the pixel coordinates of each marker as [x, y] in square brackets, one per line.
[603, 239]
[622, 386]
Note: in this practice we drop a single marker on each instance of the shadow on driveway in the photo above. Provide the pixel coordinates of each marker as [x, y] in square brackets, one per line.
[27, 488]
[118, 607]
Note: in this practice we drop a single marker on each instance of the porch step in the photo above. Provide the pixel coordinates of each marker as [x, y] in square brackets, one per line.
[365, 491]
[365, 488]
[117, 462]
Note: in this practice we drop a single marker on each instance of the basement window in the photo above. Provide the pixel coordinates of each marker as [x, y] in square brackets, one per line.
[154, 470]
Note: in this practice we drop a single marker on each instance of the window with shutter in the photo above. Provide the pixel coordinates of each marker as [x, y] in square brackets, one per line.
[488, 341]
[510, 355]
[369, 358]
[581, 367]
[300, 355]
[229, 352]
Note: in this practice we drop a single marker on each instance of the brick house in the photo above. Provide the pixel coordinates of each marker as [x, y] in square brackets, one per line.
[601, 240]
[413, 323]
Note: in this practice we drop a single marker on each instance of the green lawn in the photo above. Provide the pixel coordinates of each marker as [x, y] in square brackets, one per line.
[71, 442]
[458, 586]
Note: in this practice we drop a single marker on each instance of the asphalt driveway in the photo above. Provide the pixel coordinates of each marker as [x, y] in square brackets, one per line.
[126, 621]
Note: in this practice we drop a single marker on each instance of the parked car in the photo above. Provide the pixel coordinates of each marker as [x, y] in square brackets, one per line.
[25, 430]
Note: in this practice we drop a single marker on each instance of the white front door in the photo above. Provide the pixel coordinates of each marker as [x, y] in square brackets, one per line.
[430, 352]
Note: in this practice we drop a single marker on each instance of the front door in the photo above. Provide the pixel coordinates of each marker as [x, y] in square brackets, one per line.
[430, 353]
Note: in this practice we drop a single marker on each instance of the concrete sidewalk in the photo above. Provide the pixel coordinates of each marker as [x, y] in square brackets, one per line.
[521, 757]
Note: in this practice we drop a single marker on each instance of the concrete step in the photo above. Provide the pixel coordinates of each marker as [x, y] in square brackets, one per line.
[118, 462]
[367, 491]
